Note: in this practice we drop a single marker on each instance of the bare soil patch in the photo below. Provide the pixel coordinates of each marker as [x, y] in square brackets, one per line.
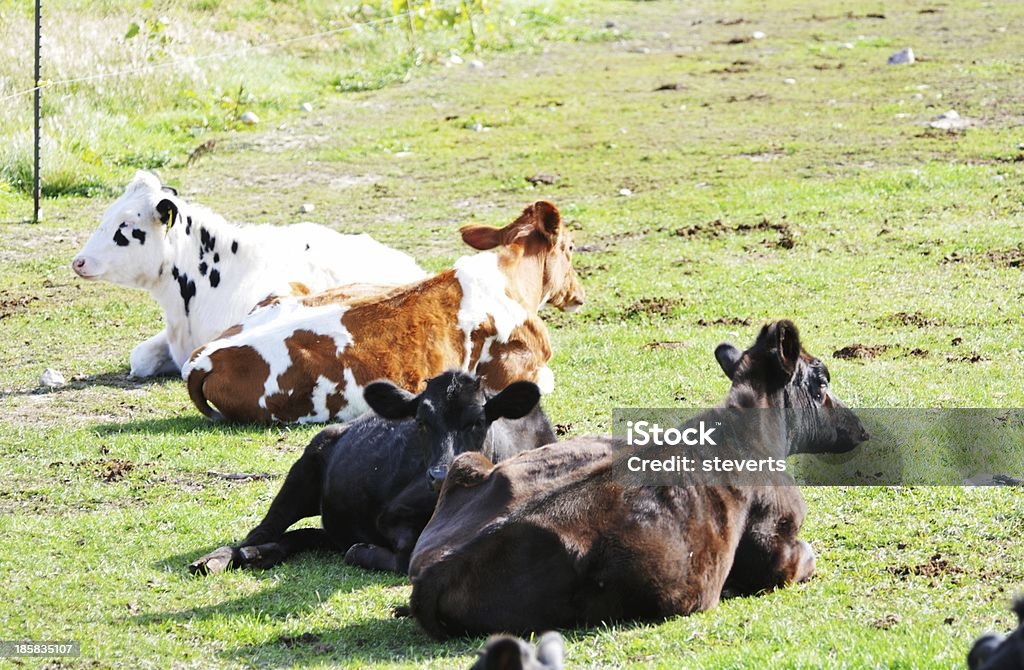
[662, 307]
[861, 351]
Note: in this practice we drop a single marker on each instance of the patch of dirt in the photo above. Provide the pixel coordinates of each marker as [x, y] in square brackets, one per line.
[937, 566]
[1013, 257]
[717, 227]
[1009, 258]
[546, 179]
[752, 97]
[9, 306]
[887, 622]
[666, 344]
[725, 321]
[861, 351]
[562, 429]
[918, 353]
[108, 470]
[973, 357]
[240, 477]
[675, 86]
[652, 307]
[915, 319]
[585, 271]
[737, 67]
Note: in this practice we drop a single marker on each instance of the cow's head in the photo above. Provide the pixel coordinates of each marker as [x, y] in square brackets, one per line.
[537, 237]
[128, 246]
[776, 372]
[452, 415]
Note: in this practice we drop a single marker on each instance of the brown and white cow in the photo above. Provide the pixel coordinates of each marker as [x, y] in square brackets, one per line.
[308, 359]
[553, 537]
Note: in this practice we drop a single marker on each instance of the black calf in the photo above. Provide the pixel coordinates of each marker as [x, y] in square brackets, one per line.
[374, 481]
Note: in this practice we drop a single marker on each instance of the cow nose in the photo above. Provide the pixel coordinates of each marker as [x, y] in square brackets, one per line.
[78, 264]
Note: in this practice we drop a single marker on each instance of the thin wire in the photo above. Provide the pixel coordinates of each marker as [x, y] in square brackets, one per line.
[213, 56]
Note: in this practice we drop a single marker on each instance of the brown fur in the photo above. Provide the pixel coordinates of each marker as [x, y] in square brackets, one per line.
[407, 334]
[551, 539]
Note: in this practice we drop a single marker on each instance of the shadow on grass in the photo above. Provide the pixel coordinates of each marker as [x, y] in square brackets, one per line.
[193, 423]
[118, 380]
[358, 643]
[291, 589]
[296, 589]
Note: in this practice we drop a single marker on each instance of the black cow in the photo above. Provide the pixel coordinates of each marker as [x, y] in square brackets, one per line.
[995, 652]
[551, 538]
[374, 481]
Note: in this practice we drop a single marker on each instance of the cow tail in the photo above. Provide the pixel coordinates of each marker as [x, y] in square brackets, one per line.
[196, 379]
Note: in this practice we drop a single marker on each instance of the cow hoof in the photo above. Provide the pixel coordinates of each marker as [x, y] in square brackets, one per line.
[214, 562]
[361, 554]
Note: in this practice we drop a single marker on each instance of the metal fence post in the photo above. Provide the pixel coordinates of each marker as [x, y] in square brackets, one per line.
[36, 133]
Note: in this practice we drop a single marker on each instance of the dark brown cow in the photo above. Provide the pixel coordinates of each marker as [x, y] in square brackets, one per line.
[551, 538]
[308, 359]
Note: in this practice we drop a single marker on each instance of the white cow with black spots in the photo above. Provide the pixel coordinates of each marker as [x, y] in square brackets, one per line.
[207, 273]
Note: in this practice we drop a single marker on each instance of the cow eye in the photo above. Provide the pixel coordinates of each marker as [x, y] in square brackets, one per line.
[421, 425]
[123, 225]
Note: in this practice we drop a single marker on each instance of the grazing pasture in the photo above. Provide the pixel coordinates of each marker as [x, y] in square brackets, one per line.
[706, 196]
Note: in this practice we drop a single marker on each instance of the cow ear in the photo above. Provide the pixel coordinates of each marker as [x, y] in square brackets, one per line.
[785, 341]
[546, 218]
[389, 401]
[551, 651]
[169, 189]
[481, 237]
[505, 653]
[168, 212]
[728, 358]
[516, 401]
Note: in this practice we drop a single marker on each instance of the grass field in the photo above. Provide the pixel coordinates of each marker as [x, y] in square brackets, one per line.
[702, 210]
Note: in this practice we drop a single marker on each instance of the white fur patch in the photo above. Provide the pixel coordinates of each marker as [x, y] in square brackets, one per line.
[355, 404]
[545, 380]
[324, 387]
[483, 295]
[266, 331]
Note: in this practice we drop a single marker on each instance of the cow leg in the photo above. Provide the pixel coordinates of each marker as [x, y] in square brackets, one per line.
[153, 358]
[268, 543]
[375, 557]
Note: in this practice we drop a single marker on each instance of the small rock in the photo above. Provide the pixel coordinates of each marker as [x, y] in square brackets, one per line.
[950, 120]
[476, 64]
[758, 35]
[904, 57]
[306, 107]
[249, 118]
[455, 59]
[51, 379]
[609, 25]
[846, 45]
[789, 80]
[625, 192]
[307, 208]
[476, 127]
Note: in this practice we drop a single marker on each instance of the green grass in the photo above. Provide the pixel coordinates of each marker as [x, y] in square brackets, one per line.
[875, 215]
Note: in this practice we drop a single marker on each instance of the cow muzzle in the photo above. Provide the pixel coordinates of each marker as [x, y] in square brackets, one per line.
[82, 267]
